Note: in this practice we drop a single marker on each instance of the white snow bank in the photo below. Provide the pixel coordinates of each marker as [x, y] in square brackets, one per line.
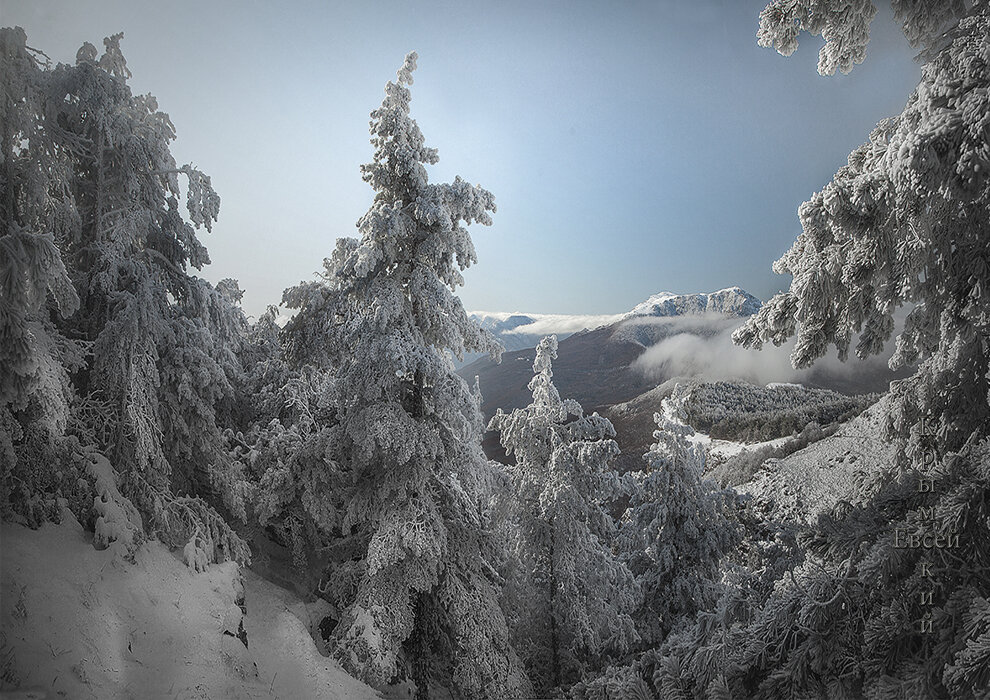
[290, 664]
[81, 623]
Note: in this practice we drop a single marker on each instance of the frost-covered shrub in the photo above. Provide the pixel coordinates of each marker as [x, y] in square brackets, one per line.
[841, 615]
[41, 474]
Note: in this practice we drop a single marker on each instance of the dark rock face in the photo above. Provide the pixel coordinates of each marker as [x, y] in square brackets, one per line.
[327, 626]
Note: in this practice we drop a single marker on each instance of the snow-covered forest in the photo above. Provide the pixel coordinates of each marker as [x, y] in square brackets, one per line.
[200, 504]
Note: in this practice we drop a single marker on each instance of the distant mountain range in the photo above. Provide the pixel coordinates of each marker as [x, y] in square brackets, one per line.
[608, 360]
[519, 331]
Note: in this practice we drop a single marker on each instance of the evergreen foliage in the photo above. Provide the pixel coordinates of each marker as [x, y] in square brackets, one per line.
[905, 222]
[568, 596]
[104, 333]
[403, 461]
[748, 413]
[677, 528]
[139, 396]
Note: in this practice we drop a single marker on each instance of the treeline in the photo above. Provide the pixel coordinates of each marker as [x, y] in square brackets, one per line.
[744, 412]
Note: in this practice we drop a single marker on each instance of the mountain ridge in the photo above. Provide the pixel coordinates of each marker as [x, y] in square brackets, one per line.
[521, 330]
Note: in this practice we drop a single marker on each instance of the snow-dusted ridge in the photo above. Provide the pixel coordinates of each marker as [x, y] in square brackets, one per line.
[520, 330]
[731, 301]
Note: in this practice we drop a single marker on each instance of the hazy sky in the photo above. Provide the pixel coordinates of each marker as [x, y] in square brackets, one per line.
[632, 147]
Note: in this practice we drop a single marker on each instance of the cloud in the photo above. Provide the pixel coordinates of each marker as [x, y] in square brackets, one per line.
[713, 356]
[545, 324]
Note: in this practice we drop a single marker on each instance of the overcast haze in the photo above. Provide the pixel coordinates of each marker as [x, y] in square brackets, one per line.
[631, 147]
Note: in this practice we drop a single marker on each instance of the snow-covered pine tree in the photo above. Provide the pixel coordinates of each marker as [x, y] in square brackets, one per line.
[91, 193]
[904, 223]
[408, 433]
[32, 212]
[35, 356]
[284, 442]
[161, 338]
[677, 527]
[569, 597]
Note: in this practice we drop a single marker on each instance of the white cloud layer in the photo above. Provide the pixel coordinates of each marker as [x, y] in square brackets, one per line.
[716, 357]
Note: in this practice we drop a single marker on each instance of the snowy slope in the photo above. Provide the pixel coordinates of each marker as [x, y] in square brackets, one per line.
[814, 480]
[731, 301]
[81, 623]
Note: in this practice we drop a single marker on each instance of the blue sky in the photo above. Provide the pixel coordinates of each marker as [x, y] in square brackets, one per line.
[632, 147]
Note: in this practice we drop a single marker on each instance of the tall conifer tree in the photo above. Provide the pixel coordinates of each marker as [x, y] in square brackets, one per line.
[407, 446]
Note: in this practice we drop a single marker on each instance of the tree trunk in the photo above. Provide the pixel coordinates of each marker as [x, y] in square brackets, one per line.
[10, 215]
[419, 409]
[554, 640]
[420, 653]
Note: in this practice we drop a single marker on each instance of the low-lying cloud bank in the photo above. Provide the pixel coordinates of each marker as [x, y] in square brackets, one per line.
[547, 324]
[550, 323]
[713, 356]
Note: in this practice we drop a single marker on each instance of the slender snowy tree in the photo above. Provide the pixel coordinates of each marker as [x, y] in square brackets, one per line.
[407, 440]
[904, 223]
[676, 529]
[569, 595]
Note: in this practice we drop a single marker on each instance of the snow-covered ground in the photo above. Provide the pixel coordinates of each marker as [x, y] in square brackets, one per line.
[727, 448]
[815, 479]
[716, 448]
[82, 623]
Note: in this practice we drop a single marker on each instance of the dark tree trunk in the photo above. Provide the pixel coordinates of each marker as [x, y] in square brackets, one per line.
[554, 639]
[420, 653]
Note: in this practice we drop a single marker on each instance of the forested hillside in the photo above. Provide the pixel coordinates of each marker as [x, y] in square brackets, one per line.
[748, 413]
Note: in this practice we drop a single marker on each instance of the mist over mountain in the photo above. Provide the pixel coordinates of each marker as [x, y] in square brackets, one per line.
[519, 331]
[627, 356]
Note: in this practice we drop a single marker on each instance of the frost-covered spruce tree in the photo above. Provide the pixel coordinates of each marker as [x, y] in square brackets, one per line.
[284, 441]
[33, 278]
[568, 595]
[903, 224]
[163, 341]
[35, 290]
[93, 192]
[408, 440]
[676, 529]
